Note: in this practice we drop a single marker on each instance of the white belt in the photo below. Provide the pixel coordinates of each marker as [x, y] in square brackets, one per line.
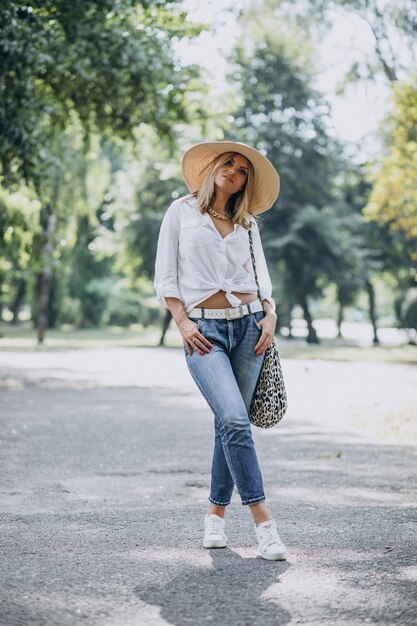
[231, 313]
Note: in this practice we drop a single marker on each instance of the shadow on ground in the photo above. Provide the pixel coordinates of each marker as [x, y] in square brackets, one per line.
[231, 589]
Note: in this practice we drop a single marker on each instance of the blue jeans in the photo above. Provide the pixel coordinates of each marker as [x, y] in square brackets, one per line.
[227, 377]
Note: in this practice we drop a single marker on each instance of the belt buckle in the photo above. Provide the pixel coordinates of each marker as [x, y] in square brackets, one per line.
[230, 316]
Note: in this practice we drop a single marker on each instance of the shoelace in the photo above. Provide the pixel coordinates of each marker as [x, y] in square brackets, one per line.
[269, 536]
[215, 526]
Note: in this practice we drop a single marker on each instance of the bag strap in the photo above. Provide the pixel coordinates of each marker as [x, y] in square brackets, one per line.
[253, 262]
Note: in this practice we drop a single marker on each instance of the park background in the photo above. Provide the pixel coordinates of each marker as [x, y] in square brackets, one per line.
[106, 442]
[99, 101]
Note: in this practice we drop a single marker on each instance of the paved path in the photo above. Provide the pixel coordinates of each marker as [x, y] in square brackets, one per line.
[105, 459]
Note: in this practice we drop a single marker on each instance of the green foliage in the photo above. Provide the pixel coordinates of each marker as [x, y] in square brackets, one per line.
[17, 230]
[123, 305]
[157, 182]
[109, 64]
[153, 198]
[316, 234]
[281, 114]
[87, 270]
[393, 200]
[77, 77]
[375, 248]
[15, 235]
[93, 89]
[284, 116]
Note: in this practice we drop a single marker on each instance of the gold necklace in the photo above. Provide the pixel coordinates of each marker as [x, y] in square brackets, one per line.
[214, 213]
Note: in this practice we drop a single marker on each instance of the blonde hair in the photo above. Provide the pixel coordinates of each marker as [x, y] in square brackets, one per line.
[239, 202]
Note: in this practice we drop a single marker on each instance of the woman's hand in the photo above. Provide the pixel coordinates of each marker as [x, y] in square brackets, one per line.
[193, 339]
[267, 325]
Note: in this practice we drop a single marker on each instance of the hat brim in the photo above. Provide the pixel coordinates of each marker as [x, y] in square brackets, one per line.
[266, 185]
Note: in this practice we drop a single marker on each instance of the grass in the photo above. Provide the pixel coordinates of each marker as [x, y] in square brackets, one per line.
[338, 350]
[23, 338]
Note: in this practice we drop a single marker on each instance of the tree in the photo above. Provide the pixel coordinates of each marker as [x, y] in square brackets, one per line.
[393, 27]
[311, 250]
[109, 64]
[17, 227]
[379, 249]
[282, 115]
[393, 199]
[391, 24]
[99, 66]
[159, 182]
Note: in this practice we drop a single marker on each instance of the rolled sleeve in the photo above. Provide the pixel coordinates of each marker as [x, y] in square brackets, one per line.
[264, 279]
[166, 263]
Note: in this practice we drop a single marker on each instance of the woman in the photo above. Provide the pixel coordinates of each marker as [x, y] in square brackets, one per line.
[204, 275]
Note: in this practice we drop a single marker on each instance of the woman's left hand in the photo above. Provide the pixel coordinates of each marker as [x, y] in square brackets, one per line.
[267, 325]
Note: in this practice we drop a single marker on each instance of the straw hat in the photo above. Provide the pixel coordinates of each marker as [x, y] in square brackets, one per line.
[197, 159]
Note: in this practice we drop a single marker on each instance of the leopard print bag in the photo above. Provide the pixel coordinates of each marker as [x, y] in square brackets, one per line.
[269, 402]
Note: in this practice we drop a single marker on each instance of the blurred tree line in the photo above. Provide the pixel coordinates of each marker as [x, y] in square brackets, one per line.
[96, 111]
[77, 77]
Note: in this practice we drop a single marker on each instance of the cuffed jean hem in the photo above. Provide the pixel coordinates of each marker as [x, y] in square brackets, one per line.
[218, 503]
[254, 500]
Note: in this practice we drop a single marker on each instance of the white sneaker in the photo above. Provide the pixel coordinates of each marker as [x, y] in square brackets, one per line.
[270, 544]
[214, 536]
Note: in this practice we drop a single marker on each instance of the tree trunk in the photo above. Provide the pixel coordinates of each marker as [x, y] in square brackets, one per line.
[45, 278]
[312, 335]
[412, 336]
[165, 325]
[340, 319]
[18, 300]
[372, 314]
[290, 335]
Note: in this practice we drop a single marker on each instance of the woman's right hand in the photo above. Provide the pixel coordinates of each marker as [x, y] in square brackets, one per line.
[193, 339]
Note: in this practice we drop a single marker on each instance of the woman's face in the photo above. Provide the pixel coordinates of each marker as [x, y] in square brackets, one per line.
[231, 176]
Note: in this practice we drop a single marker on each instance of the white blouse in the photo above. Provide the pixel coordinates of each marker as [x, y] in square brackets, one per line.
[193, 260]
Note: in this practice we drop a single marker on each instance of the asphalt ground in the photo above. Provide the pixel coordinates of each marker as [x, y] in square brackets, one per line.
[105, 467]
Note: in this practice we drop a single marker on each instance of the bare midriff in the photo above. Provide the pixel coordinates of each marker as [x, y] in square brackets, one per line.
[219, 300]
